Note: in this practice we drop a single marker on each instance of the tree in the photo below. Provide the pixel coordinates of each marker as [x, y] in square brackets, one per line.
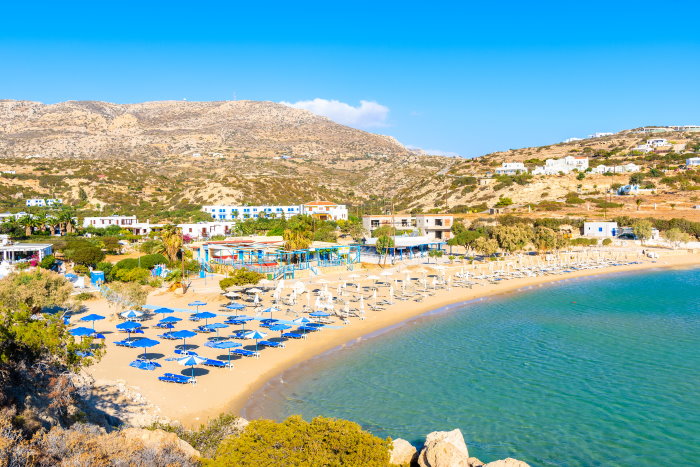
[47, 262]
[486, 246]
[171, 242]
[676, 237]
[639, 202]
[435, 254]
[83, 252]
[546, 239]
[34, 290]
[323, 441]
[642, 229]
[241, 277]
[503, 201]
[27, 221]
[382, 246]
[512, 238]
[126, 294]
[296, 239]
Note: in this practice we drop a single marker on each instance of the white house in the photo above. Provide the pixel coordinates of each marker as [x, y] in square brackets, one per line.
[633, 190]
[511, 168]
[600, 134]
[202, 230]
[241, 212]
[571, 140]
[106, 221]
[693, 162]
[616, 169]
[40, 202]
[565, 165]
[325, 210]
[658, 143]
[600, 229]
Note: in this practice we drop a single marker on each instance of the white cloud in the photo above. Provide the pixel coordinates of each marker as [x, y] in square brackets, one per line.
[368, 114]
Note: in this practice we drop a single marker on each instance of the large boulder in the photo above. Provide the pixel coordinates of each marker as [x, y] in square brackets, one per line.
[158, 439]
[402, 452]
[444, 449]
[509, 462]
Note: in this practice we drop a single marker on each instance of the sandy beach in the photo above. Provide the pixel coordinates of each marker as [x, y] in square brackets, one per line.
[227, 390]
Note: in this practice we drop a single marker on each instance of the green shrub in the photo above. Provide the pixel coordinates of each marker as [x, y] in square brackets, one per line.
[582, 241]
[323, 441]
[104, 266]
[80, 269]
[207, 437]
[132, 275]
[22, 266]
[150, 261]
[47, 262]
[84, 296]
[607, 242]
[128, 263]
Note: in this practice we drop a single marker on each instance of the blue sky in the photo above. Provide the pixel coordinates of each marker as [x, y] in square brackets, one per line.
[460, 77]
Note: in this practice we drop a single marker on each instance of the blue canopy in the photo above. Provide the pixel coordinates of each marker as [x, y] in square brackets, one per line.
[183, 334]
[145, 343]
[170, 319]
[226, 345]
[204, 315]
[197, 303]
[129, 325]
[301, 320]
[81, 331]
[234, 306]
[256, 335]
[163, 310]
[92, 317]
[216, 326]
[191, 360]
[319, 314]
[131, 314]
[279, 327]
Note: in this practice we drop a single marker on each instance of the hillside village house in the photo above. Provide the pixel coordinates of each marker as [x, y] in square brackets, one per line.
[40, 202]
[106, 221]
[511, 168]
[616, 169]
[653, 144]
[398, 221]
[241, 212]
[600, 229]
[324, 210]
[565, 165]
[693, 162]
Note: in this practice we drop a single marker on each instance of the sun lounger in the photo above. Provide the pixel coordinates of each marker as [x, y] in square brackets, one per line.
[168, 336]
[216, 363]
[185, 352]
[271, 344]
[203, 329]
[292, 335]
[144, 364]
[174, 378]
[245, 353]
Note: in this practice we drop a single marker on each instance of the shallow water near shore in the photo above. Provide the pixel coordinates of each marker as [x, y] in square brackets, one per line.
[594, 371]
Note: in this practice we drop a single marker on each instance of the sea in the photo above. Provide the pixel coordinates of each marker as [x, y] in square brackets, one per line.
[602, 370]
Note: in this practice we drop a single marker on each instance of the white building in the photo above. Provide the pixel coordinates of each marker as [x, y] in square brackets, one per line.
[511, 168]
[616, 169]
[41, 202]
[571, 140]
[658, 143]
[600, 229]
[633, 190]
[203, 230]
[241, 212]
[693, 162]
[600, 134]
[435, 226]
[320, 209]
[565, 165]
[106, 221]
[325, 210]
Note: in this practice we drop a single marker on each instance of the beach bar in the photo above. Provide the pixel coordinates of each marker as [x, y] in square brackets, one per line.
[405, 248]
[17, 252]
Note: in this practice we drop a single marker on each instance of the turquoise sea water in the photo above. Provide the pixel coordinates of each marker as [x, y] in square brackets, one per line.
[594, 371]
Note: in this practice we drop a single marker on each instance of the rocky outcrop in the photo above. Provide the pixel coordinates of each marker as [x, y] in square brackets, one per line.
[158, 438]
[448, 449]
[403, 452]
[444, 449]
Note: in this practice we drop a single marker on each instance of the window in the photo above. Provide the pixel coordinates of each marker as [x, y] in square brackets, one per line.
[438, 222]
[374, 223]
[600, 229]
[404, 222]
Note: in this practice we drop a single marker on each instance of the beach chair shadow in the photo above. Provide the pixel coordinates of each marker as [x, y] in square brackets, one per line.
[197, 372]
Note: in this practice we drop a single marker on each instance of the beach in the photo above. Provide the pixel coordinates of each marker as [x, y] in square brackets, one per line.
[227, 390]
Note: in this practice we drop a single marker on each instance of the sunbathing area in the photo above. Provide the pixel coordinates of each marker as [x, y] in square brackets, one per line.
[223, 346]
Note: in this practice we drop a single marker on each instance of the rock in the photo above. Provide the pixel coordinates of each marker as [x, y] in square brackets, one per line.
[474, 462]
[444, 449]
[158, 439]
[509, 462]
[402, 452]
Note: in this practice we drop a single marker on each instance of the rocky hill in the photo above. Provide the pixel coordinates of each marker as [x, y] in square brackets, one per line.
[151, 158]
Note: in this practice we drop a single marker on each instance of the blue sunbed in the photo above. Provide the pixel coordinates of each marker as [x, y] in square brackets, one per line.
[271, 344]
[293, 335]
[185, 352]
[174, 378]
[216, 363]
[245, 353]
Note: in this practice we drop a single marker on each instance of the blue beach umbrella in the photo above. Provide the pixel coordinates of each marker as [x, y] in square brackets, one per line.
[234, 306]
[257, 335]
[205, 315]
[301, 322]
[145, 344]
[191, 360]
[169, 320]
[129, 327]
[183, 334]
[81, 332]
[92, 317]
[129, 314]
[197, 304]
[319, 314]
[164, 311]
[216, 326]
[270, 310]
[279, 327]
[228, 345]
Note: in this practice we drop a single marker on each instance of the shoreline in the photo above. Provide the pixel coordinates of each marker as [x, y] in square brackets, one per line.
[230, 391]
[422, 311]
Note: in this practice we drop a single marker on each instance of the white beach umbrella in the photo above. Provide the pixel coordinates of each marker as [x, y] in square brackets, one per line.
[362, 304]
[387, 273]
[256, 300]
[374, 297]
[391, 293]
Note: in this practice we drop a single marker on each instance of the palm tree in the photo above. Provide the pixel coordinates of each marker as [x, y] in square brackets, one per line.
[171, 241]
[66, 222]
[27, 221]
[296, 239]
